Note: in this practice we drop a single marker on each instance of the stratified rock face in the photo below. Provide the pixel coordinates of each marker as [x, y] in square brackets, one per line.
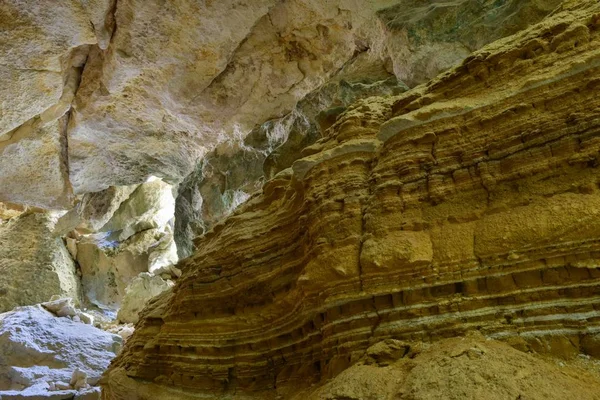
[39, 351]
[471, 202]
[228, 175]
[34, 264]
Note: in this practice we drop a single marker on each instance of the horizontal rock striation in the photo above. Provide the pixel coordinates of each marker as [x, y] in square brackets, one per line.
[469, 203]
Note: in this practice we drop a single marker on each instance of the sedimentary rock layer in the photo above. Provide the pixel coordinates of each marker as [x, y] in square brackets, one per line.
[471, 202]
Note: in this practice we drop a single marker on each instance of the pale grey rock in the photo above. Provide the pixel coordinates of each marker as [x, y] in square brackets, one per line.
[60, 385]
[94, 210]
[33, 169]
[34, 41]
[167, 91]
[108, 267]
[143, 288]
[150, 206]
[123, 330]
[37, 347]
[86, 318]
[38, 393]
[106, 271]
[100, 14]
[133, 117]
[88, 394]
[61, 307]
[35, 264]
[29, 93]
[426, 37]
[78, 380]
[136, 237]
[42, 50]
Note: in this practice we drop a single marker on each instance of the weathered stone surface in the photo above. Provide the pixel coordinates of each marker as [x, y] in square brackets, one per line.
[133, 234]
[134, 115]
[34, 263]
[468, 203]
[459, 368]
[34, 41]
[35, 157]
[101, 15]
[424, 38]
[94, 210]
[38, 351]
[108, 267]
[229, 174]
[165, 92]
[141, 289]
[42, 50]
[150, 206]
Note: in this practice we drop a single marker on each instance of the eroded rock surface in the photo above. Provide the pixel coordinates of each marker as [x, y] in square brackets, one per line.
[232, 172]
[44, 356]
[34, 262]
[455, 369]
[468, 203]
[142, 289]
[104, 93]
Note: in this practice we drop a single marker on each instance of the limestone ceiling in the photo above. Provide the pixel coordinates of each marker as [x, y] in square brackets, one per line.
[98, 93]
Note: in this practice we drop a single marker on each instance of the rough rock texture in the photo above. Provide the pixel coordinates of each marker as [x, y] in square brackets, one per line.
[229, 174]
[413, 40]
[120, 233]
[35, 40]
[36, 158]
[40, 352]
[108, 267]
[112, 92]
[455, 369]
[150, 206]
[471, 202]
[94, 210]
[34, 263]
[42, 52]
[426, 37]
[141, 289]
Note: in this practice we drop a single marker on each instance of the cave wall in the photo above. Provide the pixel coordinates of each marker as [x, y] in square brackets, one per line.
[467, 203]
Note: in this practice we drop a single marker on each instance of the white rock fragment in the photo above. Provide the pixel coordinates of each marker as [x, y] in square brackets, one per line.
[123, 330]
[86, 318]
[60, 385]
[79, 379]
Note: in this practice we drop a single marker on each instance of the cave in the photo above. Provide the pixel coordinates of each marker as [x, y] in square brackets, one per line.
[299, 199]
